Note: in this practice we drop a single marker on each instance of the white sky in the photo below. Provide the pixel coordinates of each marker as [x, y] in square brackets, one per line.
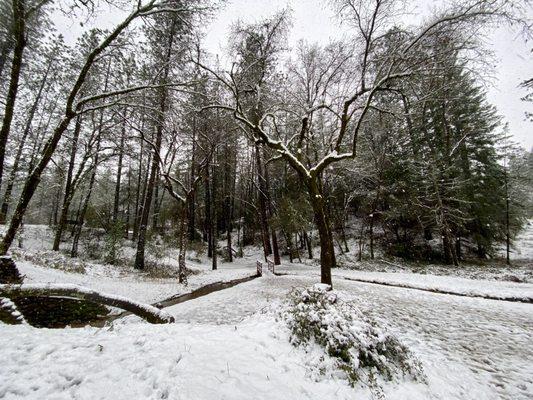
[314, 21]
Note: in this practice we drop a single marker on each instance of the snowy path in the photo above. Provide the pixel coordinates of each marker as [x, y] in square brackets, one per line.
[491, 340]
[447, 284]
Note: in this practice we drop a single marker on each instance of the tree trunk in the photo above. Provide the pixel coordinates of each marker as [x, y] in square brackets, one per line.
[183, 241]
[327, 250]
[261, 188]
[507, 222]
[155, 213]
[208, 217]
[309, 245]
[12, 176]
[191, 212]
[214, 221]
[143, 225]
[68, 193]
[139, 195]
[16, 66]
[116, 200]
[372, 236]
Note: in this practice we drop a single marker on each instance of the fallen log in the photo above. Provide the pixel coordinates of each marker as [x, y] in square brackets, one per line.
[149, 313]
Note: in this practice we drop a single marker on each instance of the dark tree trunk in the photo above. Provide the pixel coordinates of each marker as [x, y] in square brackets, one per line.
[327, 250]
[372, 236]
[16, 66]
[68, 192]
[263, 217]
[507, 223]
[138, 195]
[143, 225]
[128, 206]
[214, 221]
[81, 218]
[155, 214]
[116, 200]
[191, 212]
[27, 127]
[208, 232]
[308, 245]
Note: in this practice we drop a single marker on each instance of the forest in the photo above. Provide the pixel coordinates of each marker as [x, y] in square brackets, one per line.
[136, 148]
[139, 133]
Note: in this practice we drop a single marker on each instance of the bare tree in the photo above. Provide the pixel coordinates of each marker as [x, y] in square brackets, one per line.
[344, 94]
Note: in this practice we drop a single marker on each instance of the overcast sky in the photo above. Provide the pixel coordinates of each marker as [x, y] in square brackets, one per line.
[314, 21]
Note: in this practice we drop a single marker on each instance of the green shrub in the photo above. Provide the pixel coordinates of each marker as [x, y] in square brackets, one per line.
[114, 241]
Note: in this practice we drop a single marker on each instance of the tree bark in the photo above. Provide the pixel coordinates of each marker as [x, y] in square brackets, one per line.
[68, 193]
[208, 234]
[191, 212]
[327, 250]
[214, 222]
[27, 127]
[261, 189]
[163, 94]
[19, 27]
[116, 200]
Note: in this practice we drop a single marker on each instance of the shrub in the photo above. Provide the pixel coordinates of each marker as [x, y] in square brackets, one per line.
[353, 341]
[114, 240]
[157, 248]
[52, 259]
[93, 248]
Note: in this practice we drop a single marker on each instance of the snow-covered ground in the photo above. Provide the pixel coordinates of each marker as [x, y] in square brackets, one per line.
[448, 284]
[134, 286]
[229, 345]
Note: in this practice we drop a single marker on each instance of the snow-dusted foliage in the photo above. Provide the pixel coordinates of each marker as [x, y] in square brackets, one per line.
[51, 259]
[349, 341]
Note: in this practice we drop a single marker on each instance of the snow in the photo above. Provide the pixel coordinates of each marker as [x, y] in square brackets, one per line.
[449, 284]
[8, 306]
[132, 285]
[229, 345]
[232, 348]
[523, 244]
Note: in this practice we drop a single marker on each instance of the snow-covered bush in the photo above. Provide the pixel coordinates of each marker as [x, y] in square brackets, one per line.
[157, 248]
[114, 241]
[93, 248]
[51, 259]
[354, 343]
